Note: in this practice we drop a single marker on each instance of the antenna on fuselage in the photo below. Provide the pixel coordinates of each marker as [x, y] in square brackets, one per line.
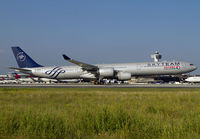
[156, 56]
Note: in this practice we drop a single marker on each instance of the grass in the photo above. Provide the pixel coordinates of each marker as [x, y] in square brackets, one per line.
[99, 113]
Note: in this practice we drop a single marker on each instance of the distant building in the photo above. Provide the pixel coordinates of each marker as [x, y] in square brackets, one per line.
[156, 56]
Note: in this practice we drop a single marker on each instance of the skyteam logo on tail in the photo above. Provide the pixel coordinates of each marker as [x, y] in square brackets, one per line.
[55, 72]
[21, 56]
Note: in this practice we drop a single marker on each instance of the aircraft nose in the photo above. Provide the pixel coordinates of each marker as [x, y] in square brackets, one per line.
[194, 67]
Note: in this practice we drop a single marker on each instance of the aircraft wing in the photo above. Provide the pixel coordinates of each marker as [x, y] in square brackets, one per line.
[84, 66]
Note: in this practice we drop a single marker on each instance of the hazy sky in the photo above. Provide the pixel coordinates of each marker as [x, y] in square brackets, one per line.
[100, 31]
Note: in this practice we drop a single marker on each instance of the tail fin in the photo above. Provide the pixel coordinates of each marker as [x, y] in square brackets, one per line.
[23, 60]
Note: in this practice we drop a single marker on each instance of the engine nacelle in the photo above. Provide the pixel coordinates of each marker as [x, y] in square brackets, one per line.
[123, 76]
[106, 72]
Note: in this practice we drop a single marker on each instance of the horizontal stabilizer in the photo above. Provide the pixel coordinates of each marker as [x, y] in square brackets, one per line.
[20, 69]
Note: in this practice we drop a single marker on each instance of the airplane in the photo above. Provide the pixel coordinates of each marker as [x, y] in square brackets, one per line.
[27, 78]
[120, 71]
[195, 79]
[8, 78]
[3, 77]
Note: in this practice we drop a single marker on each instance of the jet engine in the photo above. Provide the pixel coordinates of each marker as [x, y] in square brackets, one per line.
[123, 76]
[106, 72]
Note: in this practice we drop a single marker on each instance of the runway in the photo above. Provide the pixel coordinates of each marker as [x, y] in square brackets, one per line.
[99, 86]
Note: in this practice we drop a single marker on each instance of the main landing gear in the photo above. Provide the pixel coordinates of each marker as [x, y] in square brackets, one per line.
[99, 82]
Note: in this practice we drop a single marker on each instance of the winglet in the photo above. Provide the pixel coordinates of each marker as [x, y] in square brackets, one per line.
[66, 57]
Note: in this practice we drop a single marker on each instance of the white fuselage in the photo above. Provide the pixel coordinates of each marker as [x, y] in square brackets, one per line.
[135, 69]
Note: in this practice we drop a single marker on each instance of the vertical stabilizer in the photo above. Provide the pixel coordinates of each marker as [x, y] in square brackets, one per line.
[23, 60]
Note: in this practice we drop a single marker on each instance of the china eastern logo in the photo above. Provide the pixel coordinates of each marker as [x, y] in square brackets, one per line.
[21, 56]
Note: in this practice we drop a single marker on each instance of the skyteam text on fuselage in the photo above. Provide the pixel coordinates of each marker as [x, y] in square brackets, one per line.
[121, 71]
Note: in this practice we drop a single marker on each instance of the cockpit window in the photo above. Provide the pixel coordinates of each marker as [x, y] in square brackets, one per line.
[191, 64]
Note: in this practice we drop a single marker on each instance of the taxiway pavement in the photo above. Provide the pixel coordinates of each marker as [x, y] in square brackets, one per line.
[99, 86]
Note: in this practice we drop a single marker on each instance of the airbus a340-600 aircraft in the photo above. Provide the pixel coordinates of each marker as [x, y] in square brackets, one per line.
[121, 71]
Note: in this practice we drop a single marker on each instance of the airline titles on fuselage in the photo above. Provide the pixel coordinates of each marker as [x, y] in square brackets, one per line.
[166, 65]
[159, 64]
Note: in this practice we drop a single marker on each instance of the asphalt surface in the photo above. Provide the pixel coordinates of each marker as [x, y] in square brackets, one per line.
[100, 86]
